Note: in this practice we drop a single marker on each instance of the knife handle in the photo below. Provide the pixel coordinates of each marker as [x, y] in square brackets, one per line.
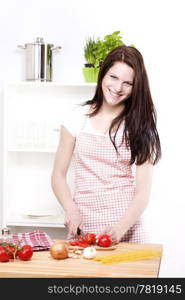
[78, 231]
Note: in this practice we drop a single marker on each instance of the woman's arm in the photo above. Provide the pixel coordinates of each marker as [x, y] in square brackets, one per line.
[59, 183]
[138, 205]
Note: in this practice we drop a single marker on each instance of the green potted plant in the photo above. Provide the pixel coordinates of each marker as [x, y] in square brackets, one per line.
[95, 52]
[90, 70]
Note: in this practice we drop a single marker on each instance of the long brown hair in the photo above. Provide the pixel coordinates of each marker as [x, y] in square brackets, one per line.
[140, 132]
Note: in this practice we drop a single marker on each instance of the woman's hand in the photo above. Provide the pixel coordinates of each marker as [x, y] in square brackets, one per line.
[72, 221]
[115, 232]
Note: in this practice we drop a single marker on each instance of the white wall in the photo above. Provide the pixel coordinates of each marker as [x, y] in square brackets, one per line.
[157, 30]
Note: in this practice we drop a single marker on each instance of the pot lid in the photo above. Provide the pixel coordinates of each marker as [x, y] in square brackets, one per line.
[39, 41]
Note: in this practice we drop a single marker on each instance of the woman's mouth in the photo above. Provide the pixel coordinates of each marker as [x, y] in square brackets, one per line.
[114, 95]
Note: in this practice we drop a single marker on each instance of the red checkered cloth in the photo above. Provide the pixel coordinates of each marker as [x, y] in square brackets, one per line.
[37, 239]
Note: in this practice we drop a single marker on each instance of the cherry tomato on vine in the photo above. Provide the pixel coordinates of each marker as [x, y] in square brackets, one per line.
[10, 248]
[4, 255]
[25, 253]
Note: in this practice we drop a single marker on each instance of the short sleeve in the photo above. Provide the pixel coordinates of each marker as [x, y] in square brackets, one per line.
[73, 119]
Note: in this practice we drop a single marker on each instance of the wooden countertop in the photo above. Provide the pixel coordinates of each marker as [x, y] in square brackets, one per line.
[44, 266]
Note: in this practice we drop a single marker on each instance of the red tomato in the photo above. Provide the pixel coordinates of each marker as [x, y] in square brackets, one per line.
[90, 238]
[25, 253]
[83, 244]
[4, 255]
[10, 250]
[104, 240]
[74, 243]
[80, 243]
[81, 238]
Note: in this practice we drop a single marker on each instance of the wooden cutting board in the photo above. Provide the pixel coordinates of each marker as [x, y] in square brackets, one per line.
[96, 247]
[43, 265]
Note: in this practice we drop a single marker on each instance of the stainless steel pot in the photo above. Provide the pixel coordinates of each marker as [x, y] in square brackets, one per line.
[39, 60]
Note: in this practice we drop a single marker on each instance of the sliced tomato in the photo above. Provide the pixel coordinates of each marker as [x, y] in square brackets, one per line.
[74, 243]
[90, 238]
[79, 244]
[83, 244]
[82, 238]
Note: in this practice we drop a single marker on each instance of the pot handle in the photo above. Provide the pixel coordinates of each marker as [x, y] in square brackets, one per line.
[56, 48]
[21, 47]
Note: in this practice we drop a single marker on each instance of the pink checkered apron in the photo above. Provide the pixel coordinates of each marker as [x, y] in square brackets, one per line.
[104, 184]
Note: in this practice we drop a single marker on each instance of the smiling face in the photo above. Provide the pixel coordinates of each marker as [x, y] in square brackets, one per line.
[117, 83]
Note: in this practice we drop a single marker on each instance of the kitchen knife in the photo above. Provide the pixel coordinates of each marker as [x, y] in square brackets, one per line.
[78, 232]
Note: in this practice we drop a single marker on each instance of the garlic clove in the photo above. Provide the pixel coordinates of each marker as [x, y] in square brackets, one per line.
[89, 252]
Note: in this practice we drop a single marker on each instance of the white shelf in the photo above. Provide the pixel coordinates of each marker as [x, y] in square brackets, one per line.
[52, 221]
[34, 224]
[50, 84]
[32, 117]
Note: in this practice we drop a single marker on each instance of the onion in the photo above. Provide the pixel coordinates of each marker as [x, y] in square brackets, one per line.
[59, 250]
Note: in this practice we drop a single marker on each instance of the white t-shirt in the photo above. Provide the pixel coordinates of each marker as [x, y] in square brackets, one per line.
[77, 121]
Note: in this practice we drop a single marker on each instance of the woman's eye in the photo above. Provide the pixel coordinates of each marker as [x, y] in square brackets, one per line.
[127, 83]
[112, 76]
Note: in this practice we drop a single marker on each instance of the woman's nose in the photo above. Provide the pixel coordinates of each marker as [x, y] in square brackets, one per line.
[118, 87]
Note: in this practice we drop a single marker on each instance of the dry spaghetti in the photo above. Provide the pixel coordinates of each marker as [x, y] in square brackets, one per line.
[129, 256]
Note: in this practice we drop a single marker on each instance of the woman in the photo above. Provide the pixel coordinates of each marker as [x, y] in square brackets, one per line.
[115, 143]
